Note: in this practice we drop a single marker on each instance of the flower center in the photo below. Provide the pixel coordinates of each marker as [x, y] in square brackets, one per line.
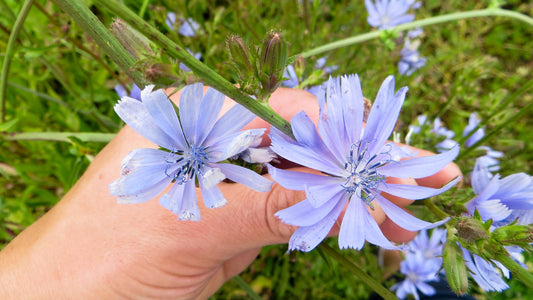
[364, 178]
[189, 162]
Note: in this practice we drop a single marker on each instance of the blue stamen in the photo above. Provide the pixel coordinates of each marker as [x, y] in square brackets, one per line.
[190, 163]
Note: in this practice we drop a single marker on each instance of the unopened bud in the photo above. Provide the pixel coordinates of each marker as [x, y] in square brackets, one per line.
[240, 55]
[136, 43]
[454, 265]
[159, 73]
[471, 230]
[514, 234]
[273, 61]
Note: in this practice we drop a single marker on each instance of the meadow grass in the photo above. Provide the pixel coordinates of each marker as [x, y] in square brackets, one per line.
[61, 81]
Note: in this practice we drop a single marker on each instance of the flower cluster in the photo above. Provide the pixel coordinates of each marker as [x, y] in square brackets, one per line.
[195, 144]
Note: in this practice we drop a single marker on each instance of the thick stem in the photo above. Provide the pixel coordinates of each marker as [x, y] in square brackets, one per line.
[60, 136]
[208, 75]
[522, 274]
[489, 12]
[90, 24]
[9, 55]
[356, 270]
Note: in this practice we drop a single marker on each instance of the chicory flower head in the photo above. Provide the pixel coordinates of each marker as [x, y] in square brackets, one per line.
[355, 162]
[385, 14]
[502, 200]
[418, 271]
[195, 144]
[410, 58]
[430, 248]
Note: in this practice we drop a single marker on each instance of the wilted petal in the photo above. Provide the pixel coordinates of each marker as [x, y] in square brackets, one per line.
[246, 176]
[419, 167]
[234, 144]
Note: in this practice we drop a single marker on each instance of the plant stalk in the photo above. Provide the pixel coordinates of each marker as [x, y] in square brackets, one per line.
[59, 136]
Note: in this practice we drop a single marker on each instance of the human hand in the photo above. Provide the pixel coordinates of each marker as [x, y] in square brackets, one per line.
[88, 246]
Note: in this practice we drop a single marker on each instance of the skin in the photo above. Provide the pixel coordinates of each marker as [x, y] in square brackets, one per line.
[90, 247]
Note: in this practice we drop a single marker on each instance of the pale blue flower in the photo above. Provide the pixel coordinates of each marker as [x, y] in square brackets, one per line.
[418, 271]
[410, 58]
[438, 129]
[486, 274]
[135, 91]
[171, 19]
[355, 162]
[490, 159]
[188, 27]
[429, 248]
[197, 143]
[385, 14]
[502, 200]
[473, 122]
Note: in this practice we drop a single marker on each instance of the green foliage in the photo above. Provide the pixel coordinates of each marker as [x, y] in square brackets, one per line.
[61, 81]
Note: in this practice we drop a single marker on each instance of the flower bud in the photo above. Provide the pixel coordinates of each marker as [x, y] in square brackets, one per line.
[273, 61]
[471, 230]
[520, 235]
[454, 265]
[240, 55]
[136, 43]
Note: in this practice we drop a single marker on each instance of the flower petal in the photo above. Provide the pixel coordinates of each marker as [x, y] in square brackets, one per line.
[135, 114]
[305, 214]
[416, 192]
[234, 144]
[229, 123]
[189, 205]
[211, 105]
[317, 195]
[308, 237]
[246, 176]
[354, 106]
[163, 114]
[298, 181]
[419, 167]
[190, 99]
[358, 226]
[172, 200]
[403, 218]
[213, 197]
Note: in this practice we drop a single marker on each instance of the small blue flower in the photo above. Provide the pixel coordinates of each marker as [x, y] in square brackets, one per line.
[490, 159]
[385, 14]
[473, 122]
[488, 275]
[429, 248]
[135, 91]
[439, 130]
[171, 20]
[502, 200]
[355, 162]
[189, 27]
[197, 143]
[410, 58]
[418, 271]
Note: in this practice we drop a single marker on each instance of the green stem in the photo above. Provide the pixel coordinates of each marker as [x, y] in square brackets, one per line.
[367, 279]
[522, 274]
[489, 12]
[79, 11]
[10, 50]
[207, 74]
[439, 213]
[60, 136]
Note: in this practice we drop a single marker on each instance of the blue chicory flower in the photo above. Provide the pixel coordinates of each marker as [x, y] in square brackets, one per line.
[502, 200]
[410, 58]
[385, 14]
[438, 129]
[196, 142]
[485, 273]
[355, 162]
[490, 159]
[429, 248]
[418, 271]
[171, 19]
[473, 122]
[188, 27]
[135, 91]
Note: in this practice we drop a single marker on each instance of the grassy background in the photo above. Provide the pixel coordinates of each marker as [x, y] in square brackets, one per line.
[61, 81]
